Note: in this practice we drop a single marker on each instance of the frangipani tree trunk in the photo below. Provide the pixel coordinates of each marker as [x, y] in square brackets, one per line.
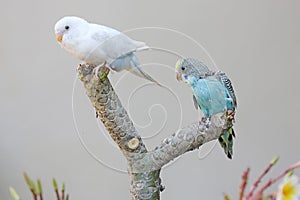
[143, 165]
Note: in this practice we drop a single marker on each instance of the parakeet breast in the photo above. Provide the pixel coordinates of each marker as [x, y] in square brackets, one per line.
[211, 96]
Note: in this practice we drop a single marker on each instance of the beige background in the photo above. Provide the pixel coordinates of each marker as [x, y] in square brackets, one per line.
[256, 42]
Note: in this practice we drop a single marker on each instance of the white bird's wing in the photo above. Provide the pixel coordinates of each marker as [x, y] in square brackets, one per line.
[114, 43]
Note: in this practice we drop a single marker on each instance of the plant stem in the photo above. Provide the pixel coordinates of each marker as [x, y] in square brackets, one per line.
[256, 183]
[244, 183]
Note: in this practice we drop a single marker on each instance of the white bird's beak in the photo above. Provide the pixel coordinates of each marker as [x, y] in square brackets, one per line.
[59, 37]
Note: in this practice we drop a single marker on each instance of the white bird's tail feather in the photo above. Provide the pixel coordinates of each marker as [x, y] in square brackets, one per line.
[143, 48]
[140, 46]
[136, 70]
[132, 64]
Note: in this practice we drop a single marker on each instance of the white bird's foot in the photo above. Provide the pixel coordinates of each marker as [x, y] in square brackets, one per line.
[109, 67]
[96, 70]
[104, 70]
[78, 67]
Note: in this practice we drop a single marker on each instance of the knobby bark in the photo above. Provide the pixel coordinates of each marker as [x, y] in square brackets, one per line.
[143, 165]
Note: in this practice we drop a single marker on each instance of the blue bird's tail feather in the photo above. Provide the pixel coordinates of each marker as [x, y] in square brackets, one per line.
[226, 138]
[226, 142]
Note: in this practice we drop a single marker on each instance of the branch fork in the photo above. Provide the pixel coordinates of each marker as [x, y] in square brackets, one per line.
[143, 166]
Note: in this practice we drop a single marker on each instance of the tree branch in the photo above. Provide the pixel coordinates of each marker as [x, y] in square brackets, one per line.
[184, 140]
[121, 129]
[144, 167]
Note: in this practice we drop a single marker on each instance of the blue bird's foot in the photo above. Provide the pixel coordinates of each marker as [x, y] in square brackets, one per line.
[230, 115]
[206, 121]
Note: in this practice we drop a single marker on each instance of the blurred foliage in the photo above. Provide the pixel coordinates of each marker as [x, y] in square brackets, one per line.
[288, 189]
[37, 192]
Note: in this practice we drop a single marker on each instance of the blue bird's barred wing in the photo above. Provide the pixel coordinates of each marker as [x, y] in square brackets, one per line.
[223, 78]
[195, 103]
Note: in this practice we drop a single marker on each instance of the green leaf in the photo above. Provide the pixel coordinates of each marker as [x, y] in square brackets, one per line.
[14, 194]
[27, 179]
[34, 188]
[39, 187]
[289, 174]
[226, 197]
[274, 160]
[54, 184]
[30, 183]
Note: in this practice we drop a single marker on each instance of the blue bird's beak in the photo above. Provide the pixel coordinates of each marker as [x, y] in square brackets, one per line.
[178, 76]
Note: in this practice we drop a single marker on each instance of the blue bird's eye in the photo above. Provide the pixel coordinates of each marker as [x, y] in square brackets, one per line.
[183, 68]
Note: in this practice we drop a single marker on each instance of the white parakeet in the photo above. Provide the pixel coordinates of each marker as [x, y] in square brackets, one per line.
[97, 44]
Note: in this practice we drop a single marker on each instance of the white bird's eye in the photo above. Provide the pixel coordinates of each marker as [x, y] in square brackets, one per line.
[67, 27]
[183, 68]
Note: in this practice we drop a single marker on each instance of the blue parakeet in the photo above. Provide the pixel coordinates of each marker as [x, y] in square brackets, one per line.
[212, 93]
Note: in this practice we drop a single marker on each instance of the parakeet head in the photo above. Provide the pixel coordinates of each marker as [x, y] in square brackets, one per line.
[191, 67]
[69, 27]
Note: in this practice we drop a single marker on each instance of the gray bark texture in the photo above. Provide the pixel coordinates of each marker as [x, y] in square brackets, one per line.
[143, 166]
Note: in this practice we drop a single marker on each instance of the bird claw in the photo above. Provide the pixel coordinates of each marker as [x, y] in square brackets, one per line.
[78, 67]
[230, 115]
[206, 121]
[104, 71]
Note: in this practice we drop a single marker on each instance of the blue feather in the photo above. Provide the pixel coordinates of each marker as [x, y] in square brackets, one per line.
[211, 95]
